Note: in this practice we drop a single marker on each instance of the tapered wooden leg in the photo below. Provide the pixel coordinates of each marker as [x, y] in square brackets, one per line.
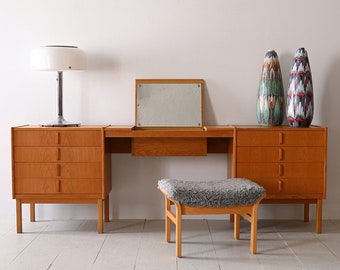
[236, 226]
[178, 230]
[167, 220]
[100, 216]
[107, 208]
[318, 216]
[19, 216]
[32, 212]
[306, 212]
[253, 230]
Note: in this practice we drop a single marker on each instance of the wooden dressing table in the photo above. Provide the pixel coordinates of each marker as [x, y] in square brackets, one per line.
[73, 165]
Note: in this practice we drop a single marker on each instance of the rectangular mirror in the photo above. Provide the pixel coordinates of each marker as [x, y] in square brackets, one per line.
[169, 103]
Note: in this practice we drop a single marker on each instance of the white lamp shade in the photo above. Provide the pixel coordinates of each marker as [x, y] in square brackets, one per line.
[58, 58]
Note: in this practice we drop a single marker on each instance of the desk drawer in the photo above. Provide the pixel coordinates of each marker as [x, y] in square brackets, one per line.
[54, 154]
[285, 137]
[52, 170]
[283, 154]
[274, 186]
[286, 170]
[54, 137]
[169, 146]
[58, 186]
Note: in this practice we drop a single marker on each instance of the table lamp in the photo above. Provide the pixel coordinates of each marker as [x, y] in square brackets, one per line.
[58, 58]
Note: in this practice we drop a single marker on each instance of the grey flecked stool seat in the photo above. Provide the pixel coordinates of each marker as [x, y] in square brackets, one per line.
[237, 196]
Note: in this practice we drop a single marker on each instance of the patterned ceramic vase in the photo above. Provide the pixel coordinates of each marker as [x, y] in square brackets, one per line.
[270, 96]
[300, 92]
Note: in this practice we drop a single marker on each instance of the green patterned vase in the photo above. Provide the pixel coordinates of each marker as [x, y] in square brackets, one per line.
[270, 96]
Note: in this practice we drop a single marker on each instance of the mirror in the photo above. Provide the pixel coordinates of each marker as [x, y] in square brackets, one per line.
[169, 103]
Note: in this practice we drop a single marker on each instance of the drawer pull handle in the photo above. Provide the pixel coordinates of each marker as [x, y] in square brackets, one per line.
[280, 185]
[281, 138]
[281, 171]
[58, 170]
[58, 185]
[58, 138]
[59, 154]
[281, 154]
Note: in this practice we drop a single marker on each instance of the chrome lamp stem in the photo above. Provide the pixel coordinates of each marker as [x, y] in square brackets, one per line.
[60, 121]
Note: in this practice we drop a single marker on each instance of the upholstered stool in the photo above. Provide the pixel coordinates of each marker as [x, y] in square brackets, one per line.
[236, 196]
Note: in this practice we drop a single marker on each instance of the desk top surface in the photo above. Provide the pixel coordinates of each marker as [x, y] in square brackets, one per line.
[130, 131]
[208, 131]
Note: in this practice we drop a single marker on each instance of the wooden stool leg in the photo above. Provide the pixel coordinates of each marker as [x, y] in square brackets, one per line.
[253, 230]
[167, 220]
[178, 224]
[236, 226]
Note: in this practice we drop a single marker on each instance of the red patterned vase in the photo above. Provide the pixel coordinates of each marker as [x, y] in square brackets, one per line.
[300, 102]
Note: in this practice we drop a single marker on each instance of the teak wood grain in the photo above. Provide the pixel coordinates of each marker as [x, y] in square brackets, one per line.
[289, 162]
[60, 165]
[73, 165]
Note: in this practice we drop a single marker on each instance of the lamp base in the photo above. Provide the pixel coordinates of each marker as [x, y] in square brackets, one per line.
[61, 122]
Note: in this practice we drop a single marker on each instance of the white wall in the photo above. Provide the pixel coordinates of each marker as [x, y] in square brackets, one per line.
[220, 41]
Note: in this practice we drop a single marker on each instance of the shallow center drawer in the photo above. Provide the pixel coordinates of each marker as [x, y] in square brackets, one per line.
[169, 146]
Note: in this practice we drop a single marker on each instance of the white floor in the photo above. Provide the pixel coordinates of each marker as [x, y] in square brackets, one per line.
[140, 244]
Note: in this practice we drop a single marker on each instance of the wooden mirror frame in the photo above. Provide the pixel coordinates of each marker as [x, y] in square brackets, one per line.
[169, 103]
